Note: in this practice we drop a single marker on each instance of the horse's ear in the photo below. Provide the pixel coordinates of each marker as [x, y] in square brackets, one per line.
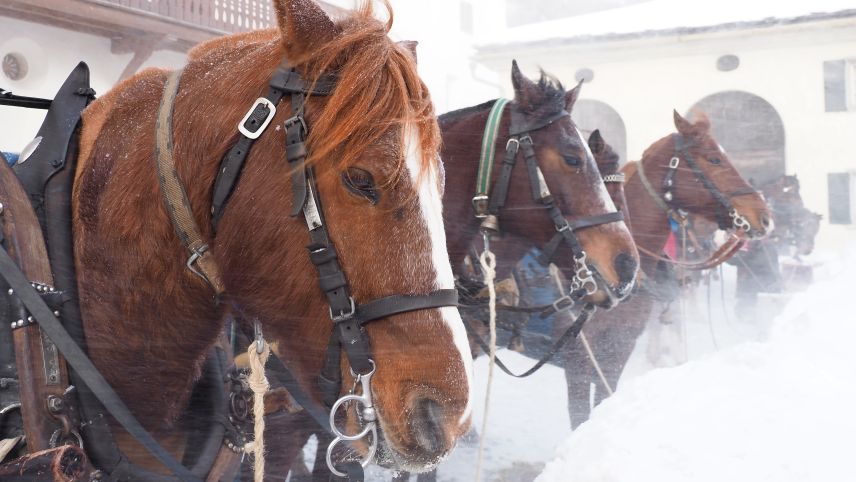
[410, 46]
[596, 143]
[572, 95]
[695, 130]
[524, 89]
[304, 26]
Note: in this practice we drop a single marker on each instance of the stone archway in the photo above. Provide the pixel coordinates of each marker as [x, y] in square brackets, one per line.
[590, 114]
[750, 130]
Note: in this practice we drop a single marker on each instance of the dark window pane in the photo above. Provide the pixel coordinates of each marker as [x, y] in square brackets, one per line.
[839, 198]
[834, 86]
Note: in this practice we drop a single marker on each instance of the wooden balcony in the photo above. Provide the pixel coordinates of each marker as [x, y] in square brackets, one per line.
[174, 24]
[144, 26]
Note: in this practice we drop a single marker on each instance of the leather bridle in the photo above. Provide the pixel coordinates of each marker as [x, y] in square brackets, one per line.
[489, 205]
[666, 201]
[348, 317]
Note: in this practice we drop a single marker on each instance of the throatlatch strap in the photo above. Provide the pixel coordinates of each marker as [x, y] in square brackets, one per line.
[491, 131]
[174, 195]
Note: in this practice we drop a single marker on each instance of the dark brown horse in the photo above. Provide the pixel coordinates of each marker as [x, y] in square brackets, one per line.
[373, 145]
[613, 335]
[571, 176]
[758, 267]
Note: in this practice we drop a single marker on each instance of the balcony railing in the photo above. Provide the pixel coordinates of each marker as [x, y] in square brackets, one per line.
[222, 15]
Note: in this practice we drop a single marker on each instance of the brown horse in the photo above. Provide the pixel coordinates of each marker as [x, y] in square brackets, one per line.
[613, 335]
[571, 176]
[373, 145]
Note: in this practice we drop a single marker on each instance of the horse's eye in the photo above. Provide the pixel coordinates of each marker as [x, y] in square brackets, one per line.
[715, 160]
[572, 160]
[361, 183]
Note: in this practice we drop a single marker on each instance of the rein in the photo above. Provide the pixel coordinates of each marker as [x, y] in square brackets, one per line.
[348, 317]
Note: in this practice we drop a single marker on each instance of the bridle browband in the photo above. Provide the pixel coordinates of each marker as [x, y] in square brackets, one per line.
[666, 202]
[349, 317]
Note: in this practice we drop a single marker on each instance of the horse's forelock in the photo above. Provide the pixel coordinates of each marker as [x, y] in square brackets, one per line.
[378, 89]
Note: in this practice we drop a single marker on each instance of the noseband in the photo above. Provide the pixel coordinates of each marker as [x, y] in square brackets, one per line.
[348, 317]
[488, 205]
[666, 202]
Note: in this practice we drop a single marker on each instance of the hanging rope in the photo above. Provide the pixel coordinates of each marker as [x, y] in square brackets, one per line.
[488, 264]
[557, 278]
[259, 385]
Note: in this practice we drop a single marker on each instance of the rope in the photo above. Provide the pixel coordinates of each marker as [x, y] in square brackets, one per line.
[259, 385]
[488, 264]
[595, 364]
[554, 272]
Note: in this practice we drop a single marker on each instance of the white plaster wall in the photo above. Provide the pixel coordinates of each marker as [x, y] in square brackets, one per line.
[645, 79]
[51, 54]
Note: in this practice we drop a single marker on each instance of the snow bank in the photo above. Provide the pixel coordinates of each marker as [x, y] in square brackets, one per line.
[781, 410]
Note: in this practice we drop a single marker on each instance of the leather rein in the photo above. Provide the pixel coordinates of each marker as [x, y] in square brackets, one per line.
[348, 317]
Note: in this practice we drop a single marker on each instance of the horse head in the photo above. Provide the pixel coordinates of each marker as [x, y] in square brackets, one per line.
[575, 184]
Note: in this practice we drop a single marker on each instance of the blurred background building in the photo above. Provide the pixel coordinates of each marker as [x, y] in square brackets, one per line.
[777, 78]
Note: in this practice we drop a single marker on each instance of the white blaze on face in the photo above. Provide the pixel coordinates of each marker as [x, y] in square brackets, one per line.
[430, 203]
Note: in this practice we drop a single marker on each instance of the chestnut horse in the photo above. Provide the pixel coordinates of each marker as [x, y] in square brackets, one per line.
[703, 183]
[372, 144]
[578, 187]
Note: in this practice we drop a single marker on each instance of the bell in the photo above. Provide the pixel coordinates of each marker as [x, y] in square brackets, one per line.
[490, 224]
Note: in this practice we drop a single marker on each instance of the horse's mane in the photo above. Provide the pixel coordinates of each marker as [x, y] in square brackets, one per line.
[550, 97]
[455, 115]
[378, 87]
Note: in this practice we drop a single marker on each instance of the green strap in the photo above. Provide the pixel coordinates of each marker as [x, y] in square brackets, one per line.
[491, 130]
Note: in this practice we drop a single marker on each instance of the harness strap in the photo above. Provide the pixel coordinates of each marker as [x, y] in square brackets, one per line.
[568, 335]
[491, 131]
[500, 188]
[175, 197]
[84, 367]
[646, 183]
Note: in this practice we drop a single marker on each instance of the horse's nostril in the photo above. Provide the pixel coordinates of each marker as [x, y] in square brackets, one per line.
[427, 424]
[625, 267]
[765, 221]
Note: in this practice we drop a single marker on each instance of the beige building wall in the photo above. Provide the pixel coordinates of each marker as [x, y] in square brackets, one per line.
[645, 78]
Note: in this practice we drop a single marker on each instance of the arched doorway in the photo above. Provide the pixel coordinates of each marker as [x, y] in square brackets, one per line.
[591, 114]
[750, 130]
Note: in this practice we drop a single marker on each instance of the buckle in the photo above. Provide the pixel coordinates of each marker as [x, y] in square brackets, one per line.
[510, 141]
[563, 227]
[480, 205]
[294, 120]
[271, 112]
[564, 299]
[527, 139]
[194, 257]
[343, 316]
[674, 162]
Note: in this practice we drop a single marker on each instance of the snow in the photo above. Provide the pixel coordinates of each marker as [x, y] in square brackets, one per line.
[779, 409]
[667, 14]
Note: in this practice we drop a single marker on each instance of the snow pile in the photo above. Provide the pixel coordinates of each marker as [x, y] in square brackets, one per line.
[781, 410]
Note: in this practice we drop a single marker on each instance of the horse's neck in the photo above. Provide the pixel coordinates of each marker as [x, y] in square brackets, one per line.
[649, 223]
[148, 323]
[461, 153]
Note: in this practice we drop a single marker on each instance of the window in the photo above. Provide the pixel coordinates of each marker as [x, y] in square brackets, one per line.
[839, 84]
[841, 186]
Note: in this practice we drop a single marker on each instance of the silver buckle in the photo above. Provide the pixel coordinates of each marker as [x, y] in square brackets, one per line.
[271, 112]
[674, 162]
[561, 300]
[481, 197]
[344, 316]
[510, 141]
